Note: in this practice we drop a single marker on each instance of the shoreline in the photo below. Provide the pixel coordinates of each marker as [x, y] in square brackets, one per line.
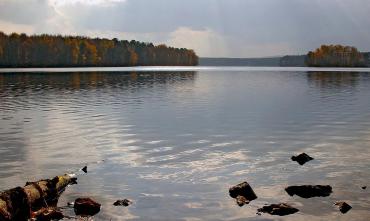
[181, 68]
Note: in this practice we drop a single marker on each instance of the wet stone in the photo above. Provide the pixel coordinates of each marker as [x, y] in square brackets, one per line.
[74, 181]
[124, 202]
[48, 214]
[302, 158]
[84, 169]
[309, 191]
[343, 207]
[364, 187]
[86, 207]
[281, 209]
[241, 201]
[243, 193]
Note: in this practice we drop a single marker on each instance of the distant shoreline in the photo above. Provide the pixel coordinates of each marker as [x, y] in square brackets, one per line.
[278, 61]
[180, 69]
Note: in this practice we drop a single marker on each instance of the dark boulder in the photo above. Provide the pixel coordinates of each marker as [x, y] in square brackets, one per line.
[124, 202]
[86, 207]
[364, 187]
[302, 158]
[243, 193]
[308, 191]
[281, 209]
[84, 169]
[343, 207]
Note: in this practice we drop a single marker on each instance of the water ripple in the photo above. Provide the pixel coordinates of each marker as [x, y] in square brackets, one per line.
[175, 141]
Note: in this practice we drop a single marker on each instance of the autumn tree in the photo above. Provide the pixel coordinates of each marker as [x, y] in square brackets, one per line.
[335, 56]
[133, 58]
[20, 50]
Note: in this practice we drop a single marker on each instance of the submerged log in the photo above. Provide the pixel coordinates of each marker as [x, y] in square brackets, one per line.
[18, 203]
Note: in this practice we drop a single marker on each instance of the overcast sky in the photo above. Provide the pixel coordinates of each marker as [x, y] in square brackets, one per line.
[213, 28]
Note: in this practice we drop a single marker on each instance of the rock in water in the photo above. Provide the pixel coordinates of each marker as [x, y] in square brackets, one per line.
[308, 191]
[343, 207]
[302, 158]
[243, 193]
[124, 202]
[84, 169]
[48, 214]
[364, 187]
[73, 180]
[86, 207]
[241, 200]
[281, 209]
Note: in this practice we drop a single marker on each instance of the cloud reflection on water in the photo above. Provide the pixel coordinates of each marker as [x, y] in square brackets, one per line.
[176, 147]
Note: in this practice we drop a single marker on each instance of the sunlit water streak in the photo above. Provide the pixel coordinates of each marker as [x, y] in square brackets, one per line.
[175, 141]
[180, 69]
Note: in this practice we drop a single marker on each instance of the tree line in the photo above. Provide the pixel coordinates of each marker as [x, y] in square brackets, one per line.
[21, 50]
[336, 56]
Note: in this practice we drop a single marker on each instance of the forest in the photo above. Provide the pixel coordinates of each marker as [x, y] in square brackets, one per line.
[21, 50]
[336, 56]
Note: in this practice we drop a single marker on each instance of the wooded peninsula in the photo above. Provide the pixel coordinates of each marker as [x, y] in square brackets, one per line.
[21, 50]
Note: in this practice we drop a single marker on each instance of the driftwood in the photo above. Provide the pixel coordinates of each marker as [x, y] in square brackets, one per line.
[17, 204]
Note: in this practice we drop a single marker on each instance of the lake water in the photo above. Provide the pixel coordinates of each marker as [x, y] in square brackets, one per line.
[175, 141]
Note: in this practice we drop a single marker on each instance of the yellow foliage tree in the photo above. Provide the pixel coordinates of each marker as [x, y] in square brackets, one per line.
[335, 56]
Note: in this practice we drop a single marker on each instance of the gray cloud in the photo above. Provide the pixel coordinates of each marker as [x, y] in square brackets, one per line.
[25, 12]
[239, 28]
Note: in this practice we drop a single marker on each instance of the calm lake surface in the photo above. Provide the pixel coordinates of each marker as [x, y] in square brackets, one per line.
[174, 142]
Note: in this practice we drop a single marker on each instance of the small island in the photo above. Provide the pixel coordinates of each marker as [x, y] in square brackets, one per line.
[21, 50]
[325, 56]
[336, 56]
